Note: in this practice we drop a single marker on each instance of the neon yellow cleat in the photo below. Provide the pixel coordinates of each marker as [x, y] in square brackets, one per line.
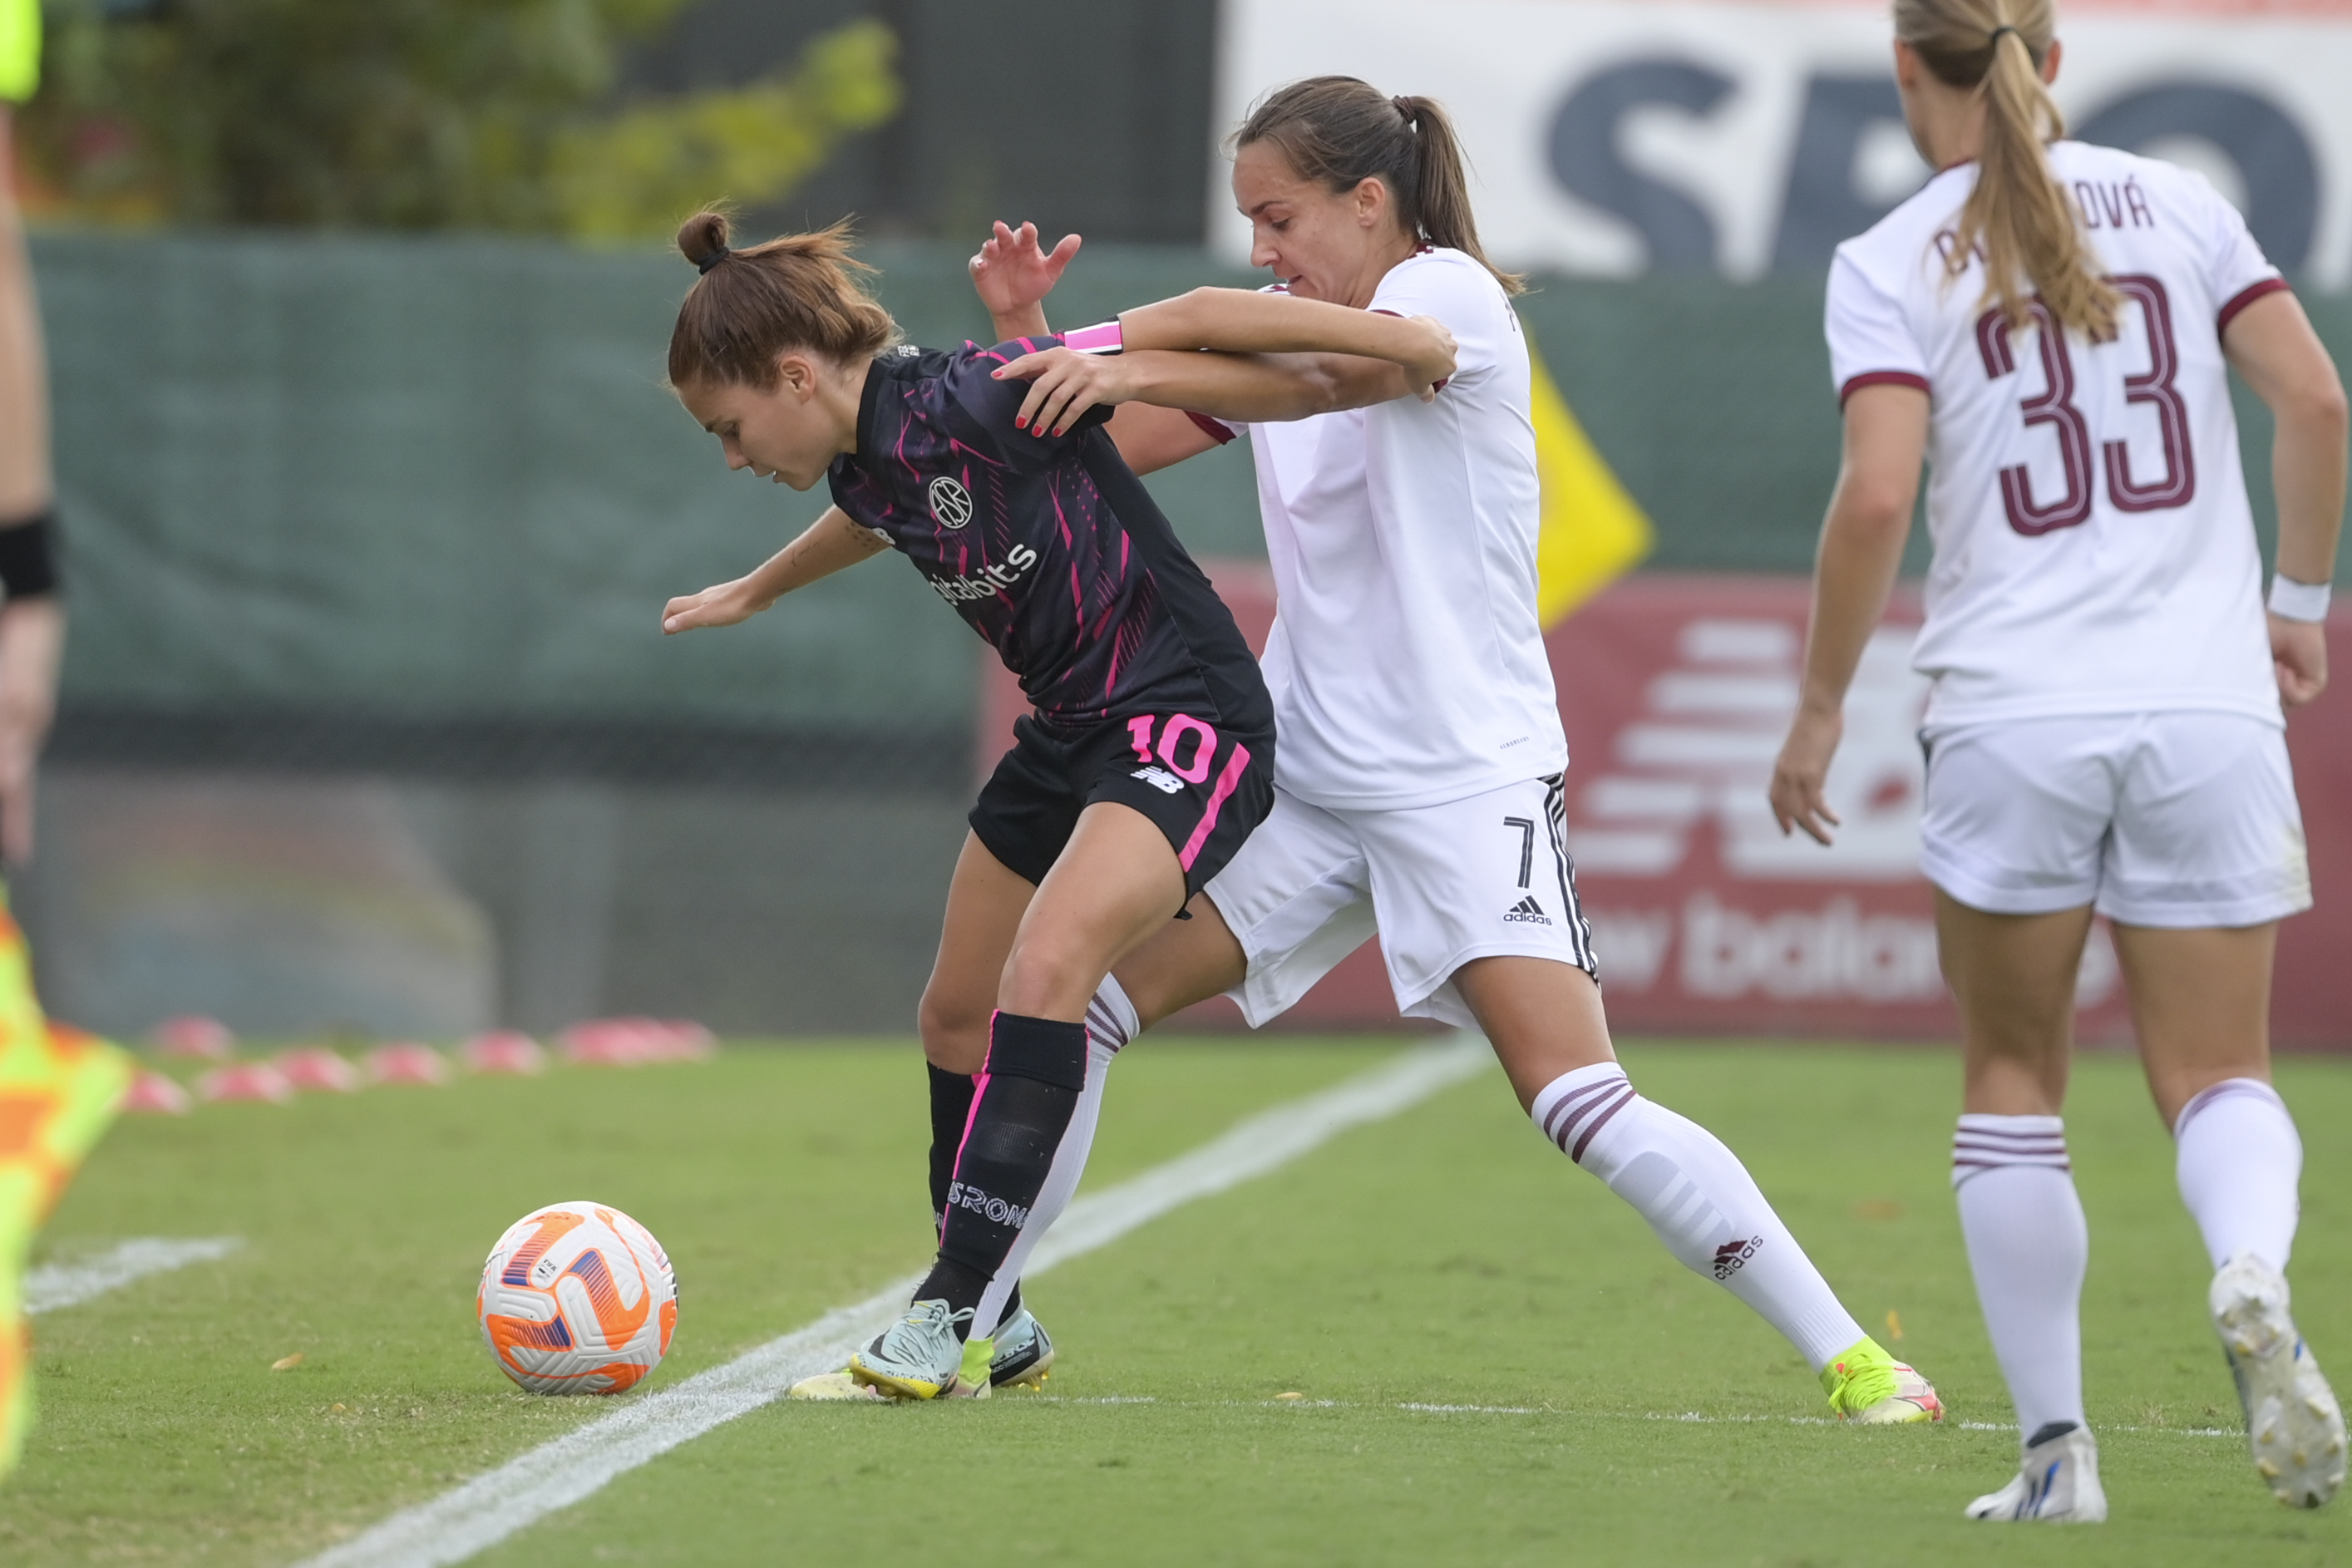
[1870, 1388]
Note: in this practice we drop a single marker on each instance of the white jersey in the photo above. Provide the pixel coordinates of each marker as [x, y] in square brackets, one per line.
[2094, 548]
[1406, 660]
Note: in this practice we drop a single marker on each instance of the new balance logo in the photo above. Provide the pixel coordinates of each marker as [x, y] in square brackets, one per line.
[1159, 779]
[996, 1211]
[1527, 911]
[1732, 1254]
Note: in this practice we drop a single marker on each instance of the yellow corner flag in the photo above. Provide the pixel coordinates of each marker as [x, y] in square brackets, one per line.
[1592, 530]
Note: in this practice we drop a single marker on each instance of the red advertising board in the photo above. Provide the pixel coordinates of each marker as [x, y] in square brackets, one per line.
[1676, 691]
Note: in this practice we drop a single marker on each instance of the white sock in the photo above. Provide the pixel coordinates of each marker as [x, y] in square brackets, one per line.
[2028, 1247]
[1110, 1023]
[2238, 1162]
[1110, 1016]
[1699, 1199]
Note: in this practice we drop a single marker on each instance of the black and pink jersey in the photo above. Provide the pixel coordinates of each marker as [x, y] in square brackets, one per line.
[1049, 545]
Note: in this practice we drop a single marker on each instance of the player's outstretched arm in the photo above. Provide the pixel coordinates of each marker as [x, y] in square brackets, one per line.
[1013, 274]
[2271, 343]
[1861, 551]
[1243, 320]
[832, 543]
[1244, 388]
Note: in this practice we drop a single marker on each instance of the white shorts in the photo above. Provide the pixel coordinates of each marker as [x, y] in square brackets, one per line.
[2180, 820]
[1484, 877]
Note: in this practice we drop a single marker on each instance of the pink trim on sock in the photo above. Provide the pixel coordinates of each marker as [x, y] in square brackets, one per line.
[979, 1088]
[1227, 781]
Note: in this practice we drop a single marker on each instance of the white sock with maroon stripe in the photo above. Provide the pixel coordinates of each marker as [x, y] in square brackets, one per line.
[1699, 1199]
[2240, 1160]
[2028, 1247]
[1110, 1023]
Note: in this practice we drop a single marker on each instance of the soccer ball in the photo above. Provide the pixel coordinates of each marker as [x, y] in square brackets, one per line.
[577, 1298]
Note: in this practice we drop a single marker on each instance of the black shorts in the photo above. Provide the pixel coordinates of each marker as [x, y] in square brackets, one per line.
[1204, 789]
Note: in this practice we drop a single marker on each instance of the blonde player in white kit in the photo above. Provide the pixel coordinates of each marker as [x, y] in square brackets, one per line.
[2052, 327]
[1418, 778]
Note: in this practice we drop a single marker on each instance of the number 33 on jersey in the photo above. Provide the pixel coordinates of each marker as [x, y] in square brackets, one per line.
[2074, 485]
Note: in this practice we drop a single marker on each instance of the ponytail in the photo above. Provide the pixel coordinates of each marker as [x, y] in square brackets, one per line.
[1339, 132]
[2018, 216]
[750, 306]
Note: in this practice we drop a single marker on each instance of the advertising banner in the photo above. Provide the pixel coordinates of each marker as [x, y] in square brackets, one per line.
[1676, 691]
[1617, 137]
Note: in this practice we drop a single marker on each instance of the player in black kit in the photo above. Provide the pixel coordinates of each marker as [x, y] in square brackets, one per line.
[1150, 757]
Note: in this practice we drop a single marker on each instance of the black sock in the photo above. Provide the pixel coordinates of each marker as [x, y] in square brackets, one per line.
[951, 1095]
[1036, 1068]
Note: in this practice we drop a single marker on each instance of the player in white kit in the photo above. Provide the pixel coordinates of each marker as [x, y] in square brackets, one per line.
[2051, 326]
[1418, 782]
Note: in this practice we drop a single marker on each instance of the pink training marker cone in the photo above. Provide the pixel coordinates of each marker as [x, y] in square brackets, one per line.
[319, 1070]
[407, 1062]
[190, 1034]
[604, 1042]
[152, 1094]
[245, 1080]
[682, 1041]
[504, 1051]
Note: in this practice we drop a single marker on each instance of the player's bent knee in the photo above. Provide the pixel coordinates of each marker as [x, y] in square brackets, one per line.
[954, 1034]
[1050, 980]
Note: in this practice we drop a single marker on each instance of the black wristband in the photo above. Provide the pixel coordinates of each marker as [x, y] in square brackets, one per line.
[29, 562]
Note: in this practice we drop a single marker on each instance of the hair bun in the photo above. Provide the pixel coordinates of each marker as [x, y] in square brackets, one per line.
[702, 240]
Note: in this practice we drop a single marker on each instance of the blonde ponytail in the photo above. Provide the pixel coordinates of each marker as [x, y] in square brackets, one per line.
[2019, 219]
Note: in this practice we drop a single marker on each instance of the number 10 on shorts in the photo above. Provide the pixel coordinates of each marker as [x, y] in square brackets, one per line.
[1186, 745]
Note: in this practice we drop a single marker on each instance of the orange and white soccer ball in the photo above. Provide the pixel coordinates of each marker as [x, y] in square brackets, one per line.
[577, 1298]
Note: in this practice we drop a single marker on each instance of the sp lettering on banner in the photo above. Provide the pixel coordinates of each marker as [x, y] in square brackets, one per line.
[1616, 137]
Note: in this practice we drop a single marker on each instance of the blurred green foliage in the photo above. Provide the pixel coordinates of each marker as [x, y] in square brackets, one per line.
[486, 114]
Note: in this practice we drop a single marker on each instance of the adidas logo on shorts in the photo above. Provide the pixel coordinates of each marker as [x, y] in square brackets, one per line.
[1527, 911]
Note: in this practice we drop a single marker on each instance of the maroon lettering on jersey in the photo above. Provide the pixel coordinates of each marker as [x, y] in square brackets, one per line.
[2109, 204]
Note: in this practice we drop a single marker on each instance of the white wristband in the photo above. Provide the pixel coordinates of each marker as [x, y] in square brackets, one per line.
[2293, 601]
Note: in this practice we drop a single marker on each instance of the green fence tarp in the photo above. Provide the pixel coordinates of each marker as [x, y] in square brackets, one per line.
[442, 477]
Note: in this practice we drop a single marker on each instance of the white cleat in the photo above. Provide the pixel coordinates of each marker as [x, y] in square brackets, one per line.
[2057, 1482]
[1021, 1354]
[920, 1356]
[2292, 1422]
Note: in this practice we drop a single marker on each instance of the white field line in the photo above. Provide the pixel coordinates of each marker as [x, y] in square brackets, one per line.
[54, 1285]
[1690, 1417]
[484, 1511]
[1687, 1417]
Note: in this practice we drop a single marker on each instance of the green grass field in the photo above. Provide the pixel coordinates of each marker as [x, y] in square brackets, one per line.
[1446, 1258]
